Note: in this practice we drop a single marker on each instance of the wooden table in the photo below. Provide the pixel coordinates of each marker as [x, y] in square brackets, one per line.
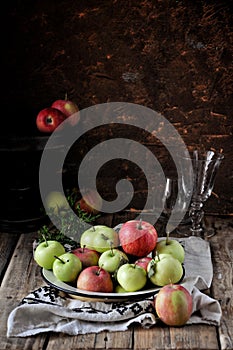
[20, 275]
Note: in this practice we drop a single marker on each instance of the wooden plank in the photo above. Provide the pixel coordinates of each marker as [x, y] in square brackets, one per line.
[103, 340]
[222, 289]
[22, 270]
[7, 245]
[115, 340]
[86, 341]
[187, 337]
[21, 277]
[30, 343]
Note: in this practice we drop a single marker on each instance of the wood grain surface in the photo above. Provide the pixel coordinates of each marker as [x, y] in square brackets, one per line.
[22, 275]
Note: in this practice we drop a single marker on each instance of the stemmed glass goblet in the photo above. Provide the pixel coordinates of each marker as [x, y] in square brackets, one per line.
[205, 167]
[175, 205]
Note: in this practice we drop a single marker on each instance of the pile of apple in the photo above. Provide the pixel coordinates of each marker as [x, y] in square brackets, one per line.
[128, 261]
[50, 118]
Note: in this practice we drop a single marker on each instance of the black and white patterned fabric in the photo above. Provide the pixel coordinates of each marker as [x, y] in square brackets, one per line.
[46, 309]
[104, 311]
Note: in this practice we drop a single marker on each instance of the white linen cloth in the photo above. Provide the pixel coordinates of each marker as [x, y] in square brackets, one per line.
[46, 309]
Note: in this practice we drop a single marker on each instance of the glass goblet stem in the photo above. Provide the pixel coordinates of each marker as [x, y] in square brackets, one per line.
[196, 214]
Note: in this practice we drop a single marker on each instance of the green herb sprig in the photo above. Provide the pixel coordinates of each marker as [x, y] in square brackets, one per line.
[71, 226]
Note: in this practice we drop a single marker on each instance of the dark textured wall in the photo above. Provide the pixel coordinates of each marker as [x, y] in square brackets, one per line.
[172, 56]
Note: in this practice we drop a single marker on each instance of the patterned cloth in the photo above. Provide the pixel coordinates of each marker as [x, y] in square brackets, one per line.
[46, 309]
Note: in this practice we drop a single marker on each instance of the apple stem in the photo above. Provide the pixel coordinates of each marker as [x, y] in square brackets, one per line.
[167, 238]
[157, 254]
[57, 257]
[111, 247]
[93, 227]
[45, 240]
[140, 224]
[98, 272]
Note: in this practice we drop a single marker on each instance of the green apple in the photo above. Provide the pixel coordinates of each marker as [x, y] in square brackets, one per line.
[99, 238]
[112, 259]
[131, 277]
[164, 269]
[67, 267]
[56, 202]
[119, 289]
[171, 246]
[45, 252]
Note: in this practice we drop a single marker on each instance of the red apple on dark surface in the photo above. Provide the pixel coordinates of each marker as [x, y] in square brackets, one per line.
[143, 262]
[91, 202]
[138, 238]
[95, 279]
[88, 257]
[48, 119]
[173, 305]
[69, 109]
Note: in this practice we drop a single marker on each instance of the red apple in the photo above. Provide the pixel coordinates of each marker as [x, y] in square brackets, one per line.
[91, 202]
[69, 108]
[88, 257]
[143, 262]
[95, 279]
[138, 238]
[48, 119]
[173, 305]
